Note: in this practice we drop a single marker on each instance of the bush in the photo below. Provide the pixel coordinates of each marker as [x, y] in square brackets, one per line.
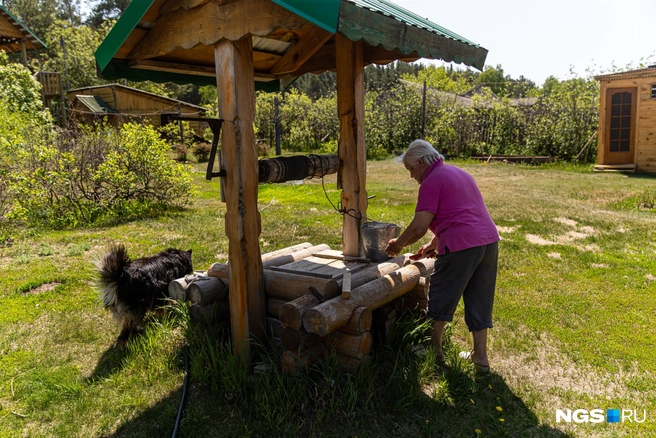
[58, 179]
[201, 151]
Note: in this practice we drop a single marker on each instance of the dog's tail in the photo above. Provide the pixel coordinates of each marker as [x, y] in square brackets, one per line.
[111, 268]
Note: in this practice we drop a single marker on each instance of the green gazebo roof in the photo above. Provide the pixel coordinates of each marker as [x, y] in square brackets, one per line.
[164, 40]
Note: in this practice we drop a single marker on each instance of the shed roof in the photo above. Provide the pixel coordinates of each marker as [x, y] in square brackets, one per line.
[95, 104]
[167, 40]
[76, 92]
[631, 74]
[12, 31]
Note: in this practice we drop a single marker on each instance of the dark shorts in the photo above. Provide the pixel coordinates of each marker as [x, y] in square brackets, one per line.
[470, 274]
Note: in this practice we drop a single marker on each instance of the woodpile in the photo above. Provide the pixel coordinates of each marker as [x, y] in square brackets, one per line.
[318, 302]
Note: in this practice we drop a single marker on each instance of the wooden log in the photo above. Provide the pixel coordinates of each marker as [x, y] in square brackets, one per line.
[288, 286]
[425, 266]
[329, 316]
[222, 270]
[297, 340]
[284, 251]
[349, 345]
[219, 270]
[421, 289]
[293, 362]
[273, 306]
[416, 305]
[352, 152]
[274, 169]
[294, 256]
[211, 313]
[359, 322]
[206, 290]
[177, 289]
[291, 313]
[274, 328]
[366, 275]
[352, 365]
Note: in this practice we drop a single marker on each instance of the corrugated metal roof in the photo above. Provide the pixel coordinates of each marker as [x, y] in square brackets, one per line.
[27, 34]
[95, 104]
[408, 17]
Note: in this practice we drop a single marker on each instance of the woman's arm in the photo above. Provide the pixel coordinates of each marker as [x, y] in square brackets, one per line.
[415, 231]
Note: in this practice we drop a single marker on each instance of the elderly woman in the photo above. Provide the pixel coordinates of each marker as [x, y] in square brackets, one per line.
[465, 241]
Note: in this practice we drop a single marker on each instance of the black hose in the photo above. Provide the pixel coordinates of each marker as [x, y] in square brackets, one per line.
[184, 391]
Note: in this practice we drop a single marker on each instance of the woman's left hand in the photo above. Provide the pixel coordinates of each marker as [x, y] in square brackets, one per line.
[393, 248]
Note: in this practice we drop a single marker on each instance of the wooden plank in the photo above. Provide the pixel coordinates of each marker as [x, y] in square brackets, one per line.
[346, 286]
[236, 95]
[210, 22]
[297, 272]
[8, 30]
[299, 53]
[307, 264]
[351, 149]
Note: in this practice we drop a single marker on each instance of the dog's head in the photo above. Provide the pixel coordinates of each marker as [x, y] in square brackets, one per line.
[183, 257]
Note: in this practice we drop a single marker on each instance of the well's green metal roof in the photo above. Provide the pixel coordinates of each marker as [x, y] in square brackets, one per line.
[27, 34]
[378, 22]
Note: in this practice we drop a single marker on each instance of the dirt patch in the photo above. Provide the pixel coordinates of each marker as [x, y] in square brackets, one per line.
[565, 221]
[554, 255]
[537, 240]
[568, 238]
[506, 229]
[600, 265]
[45, 287]
[547, 369]
[650, 278]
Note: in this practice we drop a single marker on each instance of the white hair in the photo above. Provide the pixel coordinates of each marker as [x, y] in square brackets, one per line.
[421, 150]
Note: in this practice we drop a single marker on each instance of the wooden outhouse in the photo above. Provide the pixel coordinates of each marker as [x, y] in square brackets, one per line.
[627, 121]
[15, 37]
[119, 104]
[241, 45]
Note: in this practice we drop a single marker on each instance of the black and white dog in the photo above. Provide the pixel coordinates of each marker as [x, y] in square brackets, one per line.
[131, 288]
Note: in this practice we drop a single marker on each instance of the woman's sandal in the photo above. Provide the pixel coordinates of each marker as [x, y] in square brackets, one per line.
[480, 369]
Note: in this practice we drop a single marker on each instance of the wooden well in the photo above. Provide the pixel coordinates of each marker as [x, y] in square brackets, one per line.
[244, 45]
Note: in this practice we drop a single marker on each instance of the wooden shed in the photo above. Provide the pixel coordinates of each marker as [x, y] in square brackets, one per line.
[241, 45]
[627, 121]
[119, 104]
[15, 37]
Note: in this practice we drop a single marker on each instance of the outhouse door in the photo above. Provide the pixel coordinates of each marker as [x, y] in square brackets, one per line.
[620, 125]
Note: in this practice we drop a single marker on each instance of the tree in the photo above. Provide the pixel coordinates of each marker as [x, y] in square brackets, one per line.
[494, 79]
[81, 43]
[104, 10]
[36, 15]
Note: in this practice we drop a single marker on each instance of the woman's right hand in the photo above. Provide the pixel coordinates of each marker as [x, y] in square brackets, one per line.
[427, 250]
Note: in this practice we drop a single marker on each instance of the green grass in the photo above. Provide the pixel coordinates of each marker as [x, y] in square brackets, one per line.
[574, 328]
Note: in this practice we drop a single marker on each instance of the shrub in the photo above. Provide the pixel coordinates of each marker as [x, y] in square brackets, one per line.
[58, 179]
[201, 151]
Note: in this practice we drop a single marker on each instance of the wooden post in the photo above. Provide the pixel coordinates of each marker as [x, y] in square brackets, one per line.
[23, 52]
[236, 92]
[351, 150]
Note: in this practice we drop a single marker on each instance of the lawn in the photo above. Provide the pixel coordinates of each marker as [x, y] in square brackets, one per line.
[574, 312]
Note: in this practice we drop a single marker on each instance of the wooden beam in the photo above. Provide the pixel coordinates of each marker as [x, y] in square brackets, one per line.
[198, 70]
[324, 58]
[209, 23]
[236, 93]
[351, 149]
[315, 37]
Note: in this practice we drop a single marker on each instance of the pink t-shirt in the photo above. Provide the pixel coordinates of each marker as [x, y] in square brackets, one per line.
[461, 218]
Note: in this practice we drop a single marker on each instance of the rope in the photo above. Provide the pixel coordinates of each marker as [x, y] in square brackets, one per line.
[351, 212]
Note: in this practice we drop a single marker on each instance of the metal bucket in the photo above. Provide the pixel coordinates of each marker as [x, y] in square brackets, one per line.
[375, 236]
